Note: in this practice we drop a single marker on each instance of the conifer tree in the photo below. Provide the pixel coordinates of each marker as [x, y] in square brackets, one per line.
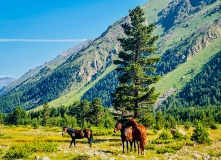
[46, 113]
[135, 61]
[159, 120]
[97, 110]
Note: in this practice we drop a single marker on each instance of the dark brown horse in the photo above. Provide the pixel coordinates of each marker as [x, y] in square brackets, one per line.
[139, 134]
[78, 134]
[126, 135]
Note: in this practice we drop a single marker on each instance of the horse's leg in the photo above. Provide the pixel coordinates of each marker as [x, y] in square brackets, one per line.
[74, 143]
[143, 147]
[131, 145]
[89, 141]
[138, 146]
[127, 147]
[123, 145]
[134, 146]
[71, 142]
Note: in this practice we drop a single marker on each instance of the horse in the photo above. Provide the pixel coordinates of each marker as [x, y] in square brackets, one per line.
[126, 134]
[139, 134]
[78, 134]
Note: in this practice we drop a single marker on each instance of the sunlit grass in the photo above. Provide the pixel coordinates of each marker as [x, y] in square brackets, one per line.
[103, 147]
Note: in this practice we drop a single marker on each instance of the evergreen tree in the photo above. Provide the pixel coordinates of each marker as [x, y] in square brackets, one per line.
[135, 62]
[200, 134]
[97, 111]
[81, 112]
[159, 120]
[187, 125]
[171, 120]
[46, 113]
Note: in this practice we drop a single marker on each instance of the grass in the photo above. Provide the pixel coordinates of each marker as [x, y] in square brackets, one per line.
[103, 147]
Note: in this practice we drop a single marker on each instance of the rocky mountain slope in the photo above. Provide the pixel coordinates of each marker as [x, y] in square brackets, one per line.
[187, 28]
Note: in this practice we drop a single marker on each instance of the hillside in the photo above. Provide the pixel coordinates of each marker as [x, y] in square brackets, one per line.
[187, 28]
[55, 62]
[184, 50]
[4, 81]
[203, 90]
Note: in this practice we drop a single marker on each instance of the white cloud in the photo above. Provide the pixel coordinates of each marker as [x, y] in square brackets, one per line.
[42, 40]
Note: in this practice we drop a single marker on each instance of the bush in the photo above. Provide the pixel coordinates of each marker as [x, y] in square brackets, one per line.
[200, 134]
[26, 149]
[150, 146]
[157, 141]
[213, 126]
[188, 143]
[164, 135]
[177, 135]
[81, 157]
[175, 146]
[187, 126]
[165, 150]
[35, 123]
[155, 131]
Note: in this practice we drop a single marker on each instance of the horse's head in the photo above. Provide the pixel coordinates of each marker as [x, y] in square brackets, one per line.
[117, 127]
[65, 129]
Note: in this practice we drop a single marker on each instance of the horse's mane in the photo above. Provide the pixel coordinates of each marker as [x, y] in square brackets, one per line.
[70, 129]
[133, 121]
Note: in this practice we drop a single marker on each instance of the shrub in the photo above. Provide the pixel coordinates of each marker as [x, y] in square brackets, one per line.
[187, 126]
[164, 135]
[81, 157]
[177, 135]
[150, 146]
[188, 143]
[164, 150]
[175, 146]
[26, 149]
[155, 131]
[157, 141]
[200, 134]
[213, 126]
[35, 123]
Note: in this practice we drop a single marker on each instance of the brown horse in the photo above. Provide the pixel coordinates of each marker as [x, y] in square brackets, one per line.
[78, 134]
[126, 135]
[139, 134]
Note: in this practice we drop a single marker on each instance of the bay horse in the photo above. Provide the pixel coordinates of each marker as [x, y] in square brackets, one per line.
[139, 134]
[126, 134]
[78, 134]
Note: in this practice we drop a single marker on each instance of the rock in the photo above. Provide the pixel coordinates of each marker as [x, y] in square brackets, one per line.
[132, 157]
[196, 156]
[36, 157]
[166, 154]
[44, 158]
[59, 148]
[185, 150]
[155, 158]
[206, 157]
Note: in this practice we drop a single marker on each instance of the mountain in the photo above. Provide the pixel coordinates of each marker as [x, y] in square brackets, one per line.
[66, 54]
[189, 33]
[4, 81]
[189, 37]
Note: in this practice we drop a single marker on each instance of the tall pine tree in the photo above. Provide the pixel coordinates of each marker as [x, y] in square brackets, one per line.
[135, 61]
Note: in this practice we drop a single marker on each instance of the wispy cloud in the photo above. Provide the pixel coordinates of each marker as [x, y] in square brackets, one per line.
[42, 40]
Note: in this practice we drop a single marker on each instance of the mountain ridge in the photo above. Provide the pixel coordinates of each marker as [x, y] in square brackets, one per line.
[60, 84]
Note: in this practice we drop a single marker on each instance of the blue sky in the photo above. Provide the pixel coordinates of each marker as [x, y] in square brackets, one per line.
[47, 19]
